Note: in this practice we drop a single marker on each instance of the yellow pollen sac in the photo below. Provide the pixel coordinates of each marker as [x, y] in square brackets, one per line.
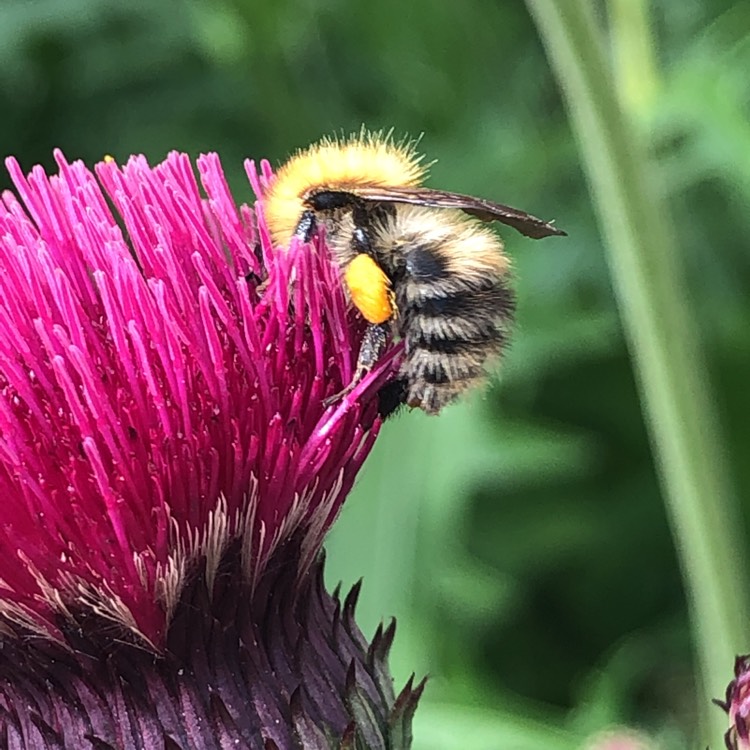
[370, 289]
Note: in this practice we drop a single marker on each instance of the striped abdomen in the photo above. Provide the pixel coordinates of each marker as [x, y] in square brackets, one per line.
[455, 306]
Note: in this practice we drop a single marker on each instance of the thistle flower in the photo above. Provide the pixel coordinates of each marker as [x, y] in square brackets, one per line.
[168, 471]
[737, 704]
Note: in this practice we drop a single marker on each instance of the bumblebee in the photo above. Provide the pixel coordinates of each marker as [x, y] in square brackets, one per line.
[416, 262]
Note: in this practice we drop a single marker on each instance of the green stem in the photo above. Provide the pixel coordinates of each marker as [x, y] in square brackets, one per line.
[662, 336]
[635, 68]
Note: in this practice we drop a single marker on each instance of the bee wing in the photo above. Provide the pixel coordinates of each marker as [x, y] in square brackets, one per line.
[485, 210]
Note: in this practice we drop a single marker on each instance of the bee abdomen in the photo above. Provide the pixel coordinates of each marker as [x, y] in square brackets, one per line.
[453, 327]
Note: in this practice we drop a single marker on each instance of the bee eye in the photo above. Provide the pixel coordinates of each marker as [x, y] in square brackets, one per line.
[328, 200]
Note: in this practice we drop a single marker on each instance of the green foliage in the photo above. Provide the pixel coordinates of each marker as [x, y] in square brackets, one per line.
[648, 277]
[521, 538]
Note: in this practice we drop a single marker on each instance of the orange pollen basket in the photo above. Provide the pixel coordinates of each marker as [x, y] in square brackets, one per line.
[370, 289]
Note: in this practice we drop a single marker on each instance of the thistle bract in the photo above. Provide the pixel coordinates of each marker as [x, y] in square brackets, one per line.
[737, 706]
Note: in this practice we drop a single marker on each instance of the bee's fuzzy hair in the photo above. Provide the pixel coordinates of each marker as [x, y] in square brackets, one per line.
[366, 158]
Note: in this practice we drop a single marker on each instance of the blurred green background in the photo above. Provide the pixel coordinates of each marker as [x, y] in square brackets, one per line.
[520, 538]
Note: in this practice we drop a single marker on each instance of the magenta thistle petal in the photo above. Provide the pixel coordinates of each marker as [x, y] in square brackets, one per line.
[157, 402]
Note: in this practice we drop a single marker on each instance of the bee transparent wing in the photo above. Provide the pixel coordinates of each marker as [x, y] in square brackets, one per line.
[485, 210]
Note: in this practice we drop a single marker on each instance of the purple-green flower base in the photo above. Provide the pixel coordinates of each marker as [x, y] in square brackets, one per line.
[284, 667]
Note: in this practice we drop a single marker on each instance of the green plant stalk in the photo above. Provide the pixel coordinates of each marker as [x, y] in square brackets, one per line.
[635, 66]
[662, 334]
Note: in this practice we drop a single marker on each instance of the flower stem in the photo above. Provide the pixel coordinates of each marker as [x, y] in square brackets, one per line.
[662, 336]
[635, 67]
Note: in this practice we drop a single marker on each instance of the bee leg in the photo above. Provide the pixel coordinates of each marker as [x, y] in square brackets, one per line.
[371, 348]
[258, 279]
[306, 226]
[304, 231]
[370, 351]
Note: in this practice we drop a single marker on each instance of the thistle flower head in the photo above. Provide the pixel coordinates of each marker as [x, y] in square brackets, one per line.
[737, 705]
[168, 468]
